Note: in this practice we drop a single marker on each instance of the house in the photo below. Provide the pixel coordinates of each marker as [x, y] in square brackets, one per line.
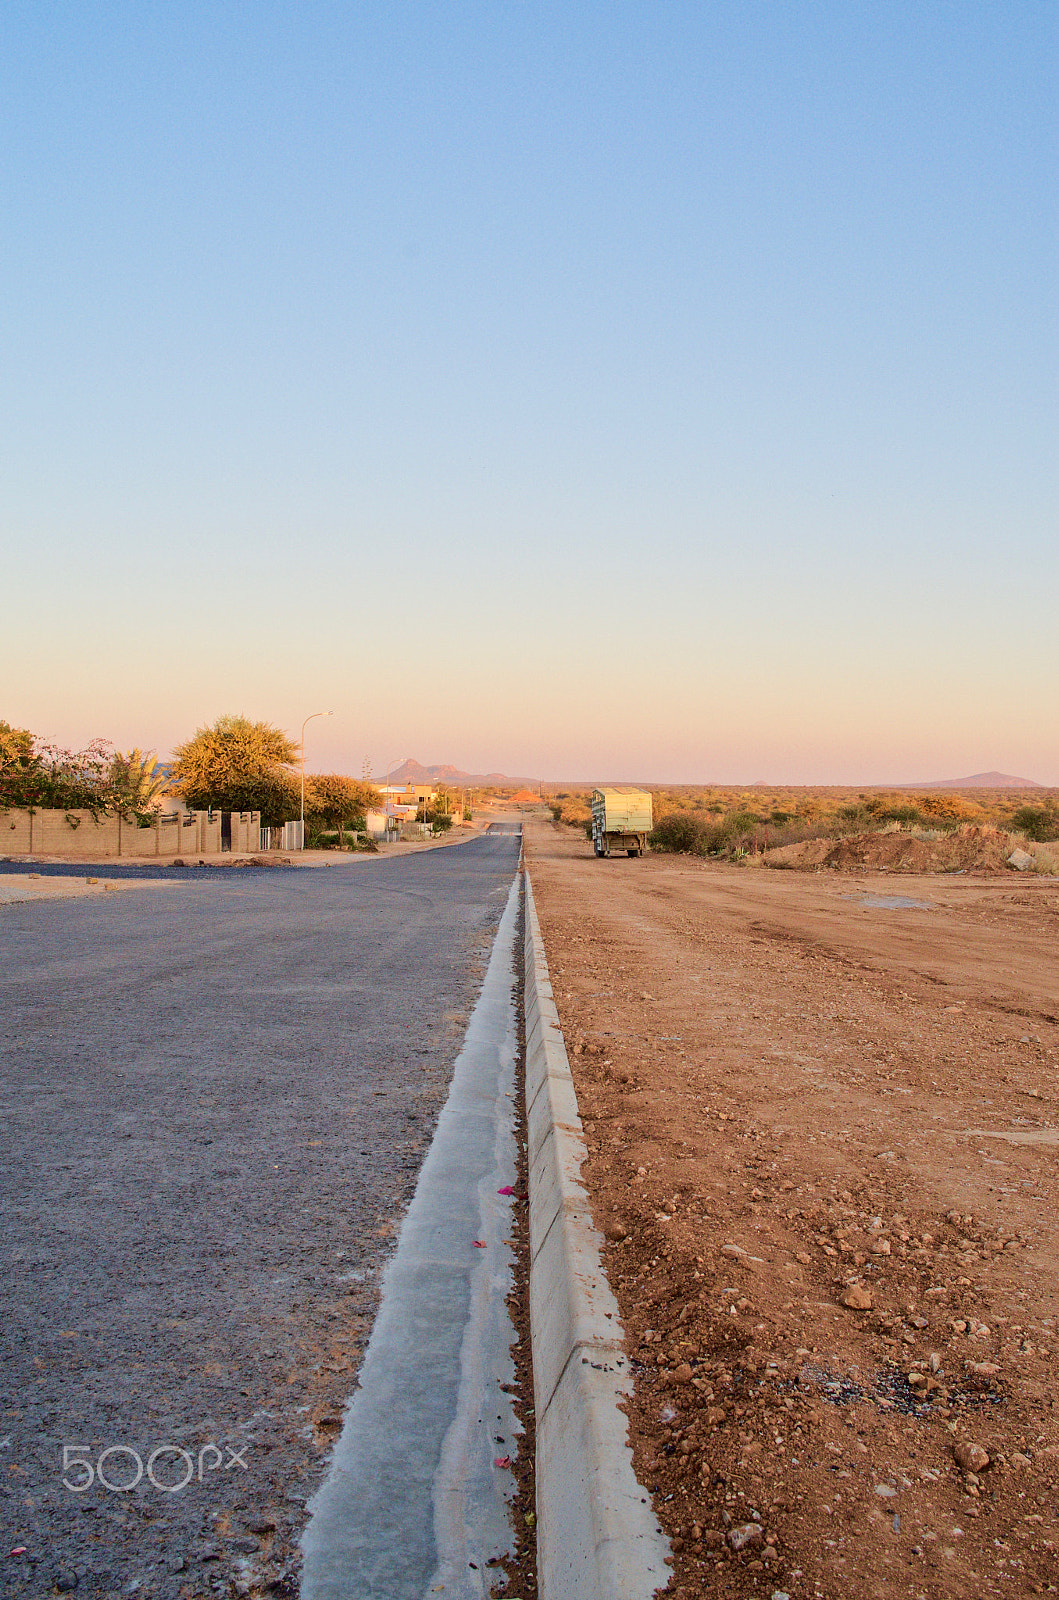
[408, 794]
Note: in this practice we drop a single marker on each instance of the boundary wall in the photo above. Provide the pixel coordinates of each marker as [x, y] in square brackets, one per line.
[78, 835]
[597, 1537]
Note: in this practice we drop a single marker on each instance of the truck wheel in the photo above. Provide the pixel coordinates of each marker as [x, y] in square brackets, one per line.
[597, 847]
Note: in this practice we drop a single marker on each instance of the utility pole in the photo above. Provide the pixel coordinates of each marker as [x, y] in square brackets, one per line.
[305, 724]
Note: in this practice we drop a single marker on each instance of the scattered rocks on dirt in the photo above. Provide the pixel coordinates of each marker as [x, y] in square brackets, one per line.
[794, 1033]
[747, 1533]
[970, 1456]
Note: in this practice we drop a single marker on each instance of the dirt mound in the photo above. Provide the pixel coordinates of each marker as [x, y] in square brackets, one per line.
[974, 847]
[800, 857]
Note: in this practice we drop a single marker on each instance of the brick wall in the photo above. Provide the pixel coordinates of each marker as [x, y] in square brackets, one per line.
[78, 835]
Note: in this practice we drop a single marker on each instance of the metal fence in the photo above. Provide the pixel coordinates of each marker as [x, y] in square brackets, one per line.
[288, 836]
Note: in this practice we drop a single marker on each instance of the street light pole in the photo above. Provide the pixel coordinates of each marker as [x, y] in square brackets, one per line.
[305, 724]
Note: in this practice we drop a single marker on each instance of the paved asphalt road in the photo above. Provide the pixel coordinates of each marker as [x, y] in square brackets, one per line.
[216, 1096]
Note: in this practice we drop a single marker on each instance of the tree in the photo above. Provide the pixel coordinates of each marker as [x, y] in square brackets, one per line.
[948, 807]
[335, 802]
[36, 774]
[438, 810]
[136, 782]
[239, 765]
[21, 770]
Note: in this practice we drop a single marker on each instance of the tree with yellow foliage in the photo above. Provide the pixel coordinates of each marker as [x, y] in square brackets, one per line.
[334, 802]
[239, 765]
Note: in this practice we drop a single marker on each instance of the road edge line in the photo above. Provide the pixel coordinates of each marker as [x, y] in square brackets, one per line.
[597, 1535]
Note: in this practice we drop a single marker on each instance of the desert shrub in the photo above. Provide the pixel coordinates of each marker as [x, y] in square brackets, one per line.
[742, 822]
[574, 810]
[317, 838]
[678, 832]
[717, 838]
[556, 809]
[906, 814]
[797, 832]
[691, 835]
[1036, 822]
[441, 824]
[949, 808]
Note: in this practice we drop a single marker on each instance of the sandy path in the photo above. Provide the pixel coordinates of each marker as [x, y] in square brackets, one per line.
[795, 1098]
[18, 887]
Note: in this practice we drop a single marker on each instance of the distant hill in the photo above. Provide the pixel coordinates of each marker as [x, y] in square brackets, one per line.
[980, 780]
[412, 771]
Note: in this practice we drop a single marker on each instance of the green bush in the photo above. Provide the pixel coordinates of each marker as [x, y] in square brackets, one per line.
[742, 822]
[676, 832]
[718, 838]
[909, 814]
[1036, 822]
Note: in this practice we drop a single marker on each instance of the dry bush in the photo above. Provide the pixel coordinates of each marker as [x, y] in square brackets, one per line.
[718, 820]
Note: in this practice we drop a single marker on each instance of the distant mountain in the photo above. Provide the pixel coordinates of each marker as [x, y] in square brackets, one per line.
[412, 771]
[980, 780]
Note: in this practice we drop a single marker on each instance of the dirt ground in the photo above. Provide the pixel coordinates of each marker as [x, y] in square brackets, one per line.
[974, 847]
[821, 1116]
[16, 887]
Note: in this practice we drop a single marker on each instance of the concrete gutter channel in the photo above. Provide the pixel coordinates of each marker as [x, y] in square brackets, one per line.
[597, 1536]
[412, 1488]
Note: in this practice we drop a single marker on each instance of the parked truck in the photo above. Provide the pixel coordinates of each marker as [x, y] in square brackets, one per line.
[621, 820]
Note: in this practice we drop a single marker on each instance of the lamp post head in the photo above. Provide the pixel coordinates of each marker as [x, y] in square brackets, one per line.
[312, 715]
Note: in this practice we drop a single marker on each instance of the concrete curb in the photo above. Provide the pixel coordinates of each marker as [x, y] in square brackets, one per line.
[597, 1537]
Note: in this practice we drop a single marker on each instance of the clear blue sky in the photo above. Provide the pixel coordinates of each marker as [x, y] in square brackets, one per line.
[637, 390]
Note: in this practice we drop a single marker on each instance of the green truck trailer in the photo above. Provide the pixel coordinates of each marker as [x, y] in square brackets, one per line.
[621, 820]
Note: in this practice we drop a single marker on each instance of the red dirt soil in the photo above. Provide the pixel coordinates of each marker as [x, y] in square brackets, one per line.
[823, 1149]
[974, 847]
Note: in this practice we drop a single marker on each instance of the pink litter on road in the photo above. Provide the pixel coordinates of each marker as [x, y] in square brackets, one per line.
[479, 1244]
[509, 1190]
[501, 1461]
